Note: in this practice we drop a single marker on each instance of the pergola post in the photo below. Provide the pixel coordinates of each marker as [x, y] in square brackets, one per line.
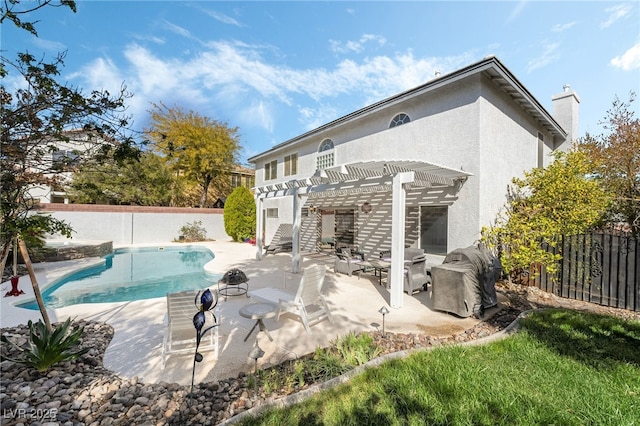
[297, 221]
[259, 225]
[396, 272]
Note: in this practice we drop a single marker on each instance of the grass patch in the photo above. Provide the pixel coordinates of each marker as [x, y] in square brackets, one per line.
[342, 355]
[564, 367]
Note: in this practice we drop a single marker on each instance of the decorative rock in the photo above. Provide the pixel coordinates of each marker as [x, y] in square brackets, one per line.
[85, 393]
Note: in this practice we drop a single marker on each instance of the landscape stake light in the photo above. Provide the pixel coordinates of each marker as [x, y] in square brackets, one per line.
[384, 311]
[256, 353]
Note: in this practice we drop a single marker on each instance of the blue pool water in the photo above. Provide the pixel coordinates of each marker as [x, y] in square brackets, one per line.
[132, 274]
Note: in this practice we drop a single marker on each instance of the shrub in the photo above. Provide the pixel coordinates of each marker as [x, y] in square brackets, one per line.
[562, 198]
[47, 348]
[194, 231]
[240, 214]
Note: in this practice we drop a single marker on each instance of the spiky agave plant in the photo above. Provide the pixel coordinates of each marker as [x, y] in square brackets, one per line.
[49, 347]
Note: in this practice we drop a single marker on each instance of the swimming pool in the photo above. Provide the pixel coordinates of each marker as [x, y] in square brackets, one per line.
[132, 274]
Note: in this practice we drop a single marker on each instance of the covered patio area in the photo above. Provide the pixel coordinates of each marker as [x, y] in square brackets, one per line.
[380, 204]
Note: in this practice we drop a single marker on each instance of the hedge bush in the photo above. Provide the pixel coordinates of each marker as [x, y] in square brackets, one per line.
[240, 214]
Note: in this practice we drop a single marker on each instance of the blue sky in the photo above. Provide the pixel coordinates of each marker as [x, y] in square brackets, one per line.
[278, 69]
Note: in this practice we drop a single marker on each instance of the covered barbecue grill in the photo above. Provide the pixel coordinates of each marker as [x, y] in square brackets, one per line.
[464, 284]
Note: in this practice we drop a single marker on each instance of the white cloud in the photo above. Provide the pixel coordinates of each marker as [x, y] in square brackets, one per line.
[517, 10]
[152, 39]
[100, 74]
[152, 74]
[50, 45]
[221, 17]
[558, 28]
[630, 60]
[229, 76]
[356, 46]
[177, 29]
[548, 56]
[311, 118]
[258, 115]
[615, 13]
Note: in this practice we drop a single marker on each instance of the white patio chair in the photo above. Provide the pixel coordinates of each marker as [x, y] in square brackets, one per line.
[180, 333]
[307, 302]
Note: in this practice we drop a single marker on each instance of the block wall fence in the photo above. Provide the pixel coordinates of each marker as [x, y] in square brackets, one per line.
[134, 224]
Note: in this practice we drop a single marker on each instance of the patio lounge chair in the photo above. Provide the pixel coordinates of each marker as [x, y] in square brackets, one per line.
[307, 302]
[180, 333]
[346, 263]
[282, 241]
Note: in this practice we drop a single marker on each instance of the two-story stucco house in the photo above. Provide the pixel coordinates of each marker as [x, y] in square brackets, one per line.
[425, 168]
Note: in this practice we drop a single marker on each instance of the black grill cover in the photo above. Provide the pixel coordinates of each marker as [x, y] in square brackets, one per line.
[465, 282]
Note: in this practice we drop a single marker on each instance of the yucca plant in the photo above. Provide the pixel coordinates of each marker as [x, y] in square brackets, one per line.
[47, 348]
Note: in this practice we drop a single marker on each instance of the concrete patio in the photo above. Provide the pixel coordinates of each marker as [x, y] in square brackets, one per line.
[139, 326]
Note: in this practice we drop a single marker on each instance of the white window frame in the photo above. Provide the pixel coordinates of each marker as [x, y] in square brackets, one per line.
[399, 119]
[291, 164]
[326, 154]
[271, 170]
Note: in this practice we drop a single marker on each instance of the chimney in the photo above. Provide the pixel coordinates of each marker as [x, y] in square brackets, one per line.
[566, 112]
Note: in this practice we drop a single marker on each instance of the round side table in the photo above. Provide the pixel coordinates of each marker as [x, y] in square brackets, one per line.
[258, 312]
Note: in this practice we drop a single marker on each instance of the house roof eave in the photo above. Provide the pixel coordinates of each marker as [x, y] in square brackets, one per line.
[491, 66]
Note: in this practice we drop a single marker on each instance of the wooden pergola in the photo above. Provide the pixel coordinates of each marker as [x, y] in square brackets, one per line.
[361, 177]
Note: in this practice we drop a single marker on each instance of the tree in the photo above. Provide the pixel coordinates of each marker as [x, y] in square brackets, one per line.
[547, 203]
[10, 11]
[240, 214]
[35, 120]
[617, 154]
[200, 148]
[146, 182]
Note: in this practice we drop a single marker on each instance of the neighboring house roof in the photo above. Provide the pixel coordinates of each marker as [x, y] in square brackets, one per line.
[243, 170]
[491, 66]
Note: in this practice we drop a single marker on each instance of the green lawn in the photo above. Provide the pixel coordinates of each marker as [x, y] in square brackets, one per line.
[562, 368]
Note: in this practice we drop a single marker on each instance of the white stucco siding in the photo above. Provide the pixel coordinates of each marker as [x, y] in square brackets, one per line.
[443, 131]
[467, 123]
[508, 147]
[285, 215]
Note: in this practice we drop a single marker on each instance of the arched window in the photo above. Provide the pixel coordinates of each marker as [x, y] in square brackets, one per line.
[325, 157]
[325, 145]
[399, 120]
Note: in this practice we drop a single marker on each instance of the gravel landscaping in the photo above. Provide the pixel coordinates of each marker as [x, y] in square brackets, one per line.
[83, 392]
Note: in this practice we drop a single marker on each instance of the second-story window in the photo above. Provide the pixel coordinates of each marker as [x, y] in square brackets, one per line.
[271, 170]
[325, 157]
[399, 120]
[65, 160]
[235, 180]
[291, 165]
